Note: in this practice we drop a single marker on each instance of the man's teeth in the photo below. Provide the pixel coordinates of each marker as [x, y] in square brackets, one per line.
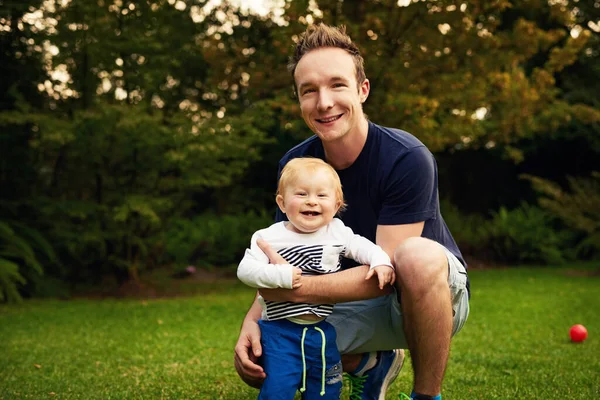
[330, 119]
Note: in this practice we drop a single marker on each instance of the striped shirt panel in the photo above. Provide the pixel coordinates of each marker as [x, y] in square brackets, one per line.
[310, 260]
[281, 310]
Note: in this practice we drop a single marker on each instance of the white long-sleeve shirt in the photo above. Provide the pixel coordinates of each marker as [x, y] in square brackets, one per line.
[314, 253]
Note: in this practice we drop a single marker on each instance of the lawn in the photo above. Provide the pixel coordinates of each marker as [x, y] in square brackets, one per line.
[514, 346]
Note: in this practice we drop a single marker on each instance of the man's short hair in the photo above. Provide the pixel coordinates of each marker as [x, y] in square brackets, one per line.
[322, 35]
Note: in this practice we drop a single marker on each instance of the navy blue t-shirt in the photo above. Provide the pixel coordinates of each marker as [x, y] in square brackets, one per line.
[393, 181]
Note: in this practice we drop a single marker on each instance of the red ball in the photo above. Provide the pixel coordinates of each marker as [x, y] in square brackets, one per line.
[578, 333]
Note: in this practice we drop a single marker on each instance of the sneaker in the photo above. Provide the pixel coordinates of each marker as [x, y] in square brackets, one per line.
[374, 383]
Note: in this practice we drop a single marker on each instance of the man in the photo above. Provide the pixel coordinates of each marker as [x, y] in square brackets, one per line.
[390, 182]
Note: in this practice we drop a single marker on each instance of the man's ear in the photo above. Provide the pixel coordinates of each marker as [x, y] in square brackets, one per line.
[363, 90]
[280, 203]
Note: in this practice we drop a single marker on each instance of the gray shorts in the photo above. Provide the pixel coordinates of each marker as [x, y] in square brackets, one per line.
[377, 324]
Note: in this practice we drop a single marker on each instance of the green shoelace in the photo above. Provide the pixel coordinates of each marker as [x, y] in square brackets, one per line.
[357, 384]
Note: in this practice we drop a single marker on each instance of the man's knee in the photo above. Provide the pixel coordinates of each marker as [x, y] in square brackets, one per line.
[420, 264]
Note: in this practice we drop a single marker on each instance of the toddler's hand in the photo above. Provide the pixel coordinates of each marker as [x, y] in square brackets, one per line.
[385, 275]
[296, 278]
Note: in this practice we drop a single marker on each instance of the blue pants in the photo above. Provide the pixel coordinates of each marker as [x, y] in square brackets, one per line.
[289, 371]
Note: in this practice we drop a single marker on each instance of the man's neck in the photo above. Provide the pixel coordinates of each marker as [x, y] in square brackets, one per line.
[343, 152]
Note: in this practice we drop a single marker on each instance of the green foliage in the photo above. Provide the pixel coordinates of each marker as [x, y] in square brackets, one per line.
[433, 65]
[527, 235]
[114, 175]
[95, 239]
[578, 208]
[468, 230]
[78, 229]
[20, 246]
[136, 133]
[9, 279]
[212, 239]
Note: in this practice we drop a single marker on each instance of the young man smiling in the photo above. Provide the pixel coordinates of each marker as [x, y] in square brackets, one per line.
[390, 182]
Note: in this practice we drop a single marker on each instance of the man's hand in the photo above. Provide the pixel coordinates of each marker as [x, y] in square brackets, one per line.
[296, 278]
[247, 352]
[385, 275]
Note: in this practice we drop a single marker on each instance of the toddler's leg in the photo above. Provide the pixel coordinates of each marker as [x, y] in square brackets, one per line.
[281, 361]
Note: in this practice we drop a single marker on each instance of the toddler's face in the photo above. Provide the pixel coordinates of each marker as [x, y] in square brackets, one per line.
[310, 201]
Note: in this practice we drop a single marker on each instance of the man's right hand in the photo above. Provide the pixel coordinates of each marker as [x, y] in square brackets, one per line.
[296, 278]
[247, 352]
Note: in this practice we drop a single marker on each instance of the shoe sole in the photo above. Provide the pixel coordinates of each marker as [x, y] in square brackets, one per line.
[392, 373]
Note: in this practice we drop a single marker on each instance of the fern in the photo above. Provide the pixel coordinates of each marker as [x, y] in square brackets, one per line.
[18, 247]
[578, 208]
[9, 279]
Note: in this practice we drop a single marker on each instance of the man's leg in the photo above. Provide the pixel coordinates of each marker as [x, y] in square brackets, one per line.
[422, 282]
[378, 324]
[364, 329]
[350, 362]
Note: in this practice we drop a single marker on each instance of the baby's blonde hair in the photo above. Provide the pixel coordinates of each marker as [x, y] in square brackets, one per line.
[297, 166]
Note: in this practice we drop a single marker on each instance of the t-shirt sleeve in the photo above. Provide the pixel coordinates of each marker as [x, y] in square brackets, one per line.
[256, 271]
[410, 190]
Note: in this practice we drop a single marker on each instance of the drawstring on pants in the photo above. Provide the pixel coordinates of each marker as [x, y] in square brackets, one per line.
[323, 360]
[303, 388]
[323, 343]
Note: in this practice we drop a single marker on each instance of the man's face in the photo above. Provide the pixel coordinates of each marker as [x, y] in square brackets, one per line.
[330, 101]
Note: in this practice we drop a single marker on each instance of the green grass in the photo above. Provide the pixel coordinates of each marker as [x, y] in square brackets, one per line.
[514, 346]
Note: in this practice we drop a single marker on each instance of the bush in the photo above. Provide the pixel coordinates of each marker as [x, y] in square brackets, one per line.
[468, 230]
[578, 208]
[20, 249]
[528, 234]
[215, 240]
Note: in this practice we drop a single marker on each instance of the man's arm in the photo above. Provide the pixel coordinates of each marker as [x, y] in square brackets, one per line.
[343, 286]
[389, 237]
[339, 287]
[248, 348]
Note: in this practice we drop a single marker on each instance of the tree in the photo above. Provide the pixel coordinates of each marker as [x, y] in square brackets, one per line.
[130, 128]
